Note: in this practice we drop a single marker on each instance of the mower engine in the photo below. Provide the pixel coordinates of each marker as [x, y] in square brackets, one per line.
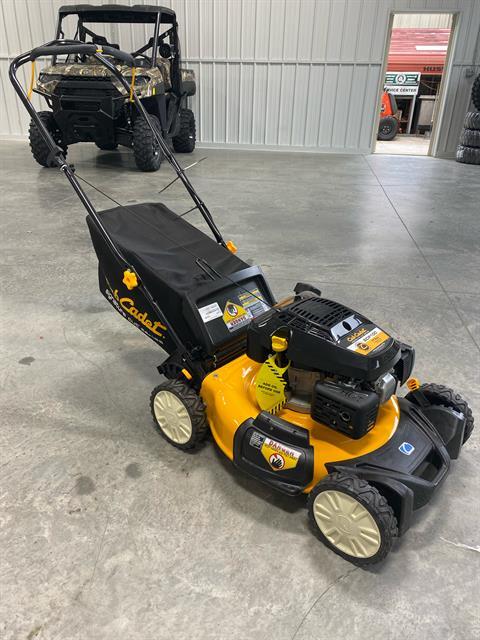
[341, 366]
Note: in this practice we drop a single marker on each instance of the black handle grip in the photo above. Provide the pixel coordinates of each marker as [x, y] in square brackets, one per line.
[83, 49]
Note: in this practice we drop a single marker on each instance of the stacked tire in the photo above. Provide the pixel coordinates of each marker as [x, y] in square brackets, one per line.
[468, 151]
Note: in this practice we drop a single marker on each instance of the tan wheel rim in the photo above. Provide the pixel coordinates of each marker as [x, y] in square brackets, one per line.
[346, 524]
[172, 417]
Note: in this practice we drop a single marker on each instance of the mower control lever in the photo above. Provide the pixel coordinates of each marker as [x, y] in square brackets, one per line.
[68, 47]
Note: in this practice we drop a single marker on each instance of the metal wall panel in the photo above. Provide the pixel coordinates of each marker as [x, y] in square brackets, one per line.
[281, 73]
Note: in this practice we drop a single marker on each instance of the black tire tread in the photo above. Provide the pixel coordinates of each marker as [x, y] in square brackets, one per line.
[472, 120]
[372, 499]
[182, 143]
[40, 151]
[467, 155]
[476, 93]
[394, 131]
[196, 410]
[442, 395]
[143, 141]
[470, 138]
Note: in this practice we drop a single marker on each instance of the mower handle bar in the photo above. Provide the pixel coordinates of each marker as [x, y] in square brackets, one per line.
[68, 47]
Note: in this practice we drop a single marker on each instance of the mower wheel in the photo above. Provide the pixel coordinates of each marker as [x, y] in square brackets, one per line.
[147, 151]
[467, 155]
[179, 414]
[442, 396]
[39, 148]
[387, 128]
[472, 120]
[184, 141]
[352, 518]
[108, 146]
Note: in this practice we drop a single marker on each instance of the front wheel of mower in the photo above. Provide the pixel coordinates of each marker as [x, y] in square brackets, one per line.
[442, 396]
[39, 148]
[146, 150]
[179, 414]
[184, 141]
[352, 518]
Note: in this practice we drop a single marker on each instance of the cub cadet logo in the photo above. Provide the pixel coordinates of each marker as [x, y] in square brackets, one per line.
[128, 305]
[357, 334]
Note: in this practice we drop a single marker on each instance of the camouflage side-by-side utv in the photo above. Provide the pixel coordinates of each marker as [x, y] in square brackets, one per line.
[88, 104]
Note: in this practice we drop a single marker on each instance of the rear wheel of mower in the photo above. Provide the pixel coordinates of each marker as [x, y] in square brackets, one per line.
[352, 518]
[179, 414]
[147, 151]
[184, 141]
[440, 395]
[40, 151]
[388, 128]
[108, 146]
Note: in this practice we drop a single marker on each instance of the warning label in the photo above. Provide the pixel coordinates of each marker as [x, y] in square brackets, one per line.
[279, 456]
[253, 302]
[368, 342]
[235, 316]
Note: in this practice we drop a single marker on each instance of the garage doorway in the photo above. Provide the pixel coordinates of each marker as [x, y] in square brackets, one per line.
[411, 95]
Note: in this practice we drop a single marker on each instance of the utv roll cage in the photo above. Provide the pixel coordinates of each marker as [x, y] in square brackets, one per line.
[136, 14]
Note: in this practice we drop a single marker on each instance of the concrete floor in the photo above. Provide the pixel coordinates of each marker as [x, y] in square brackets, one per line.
[404, 145]
[109, 533]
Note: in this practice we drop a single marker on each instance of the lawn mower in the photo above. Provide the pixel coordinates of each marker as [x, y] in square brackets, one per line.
[88, 104]
[300, 394]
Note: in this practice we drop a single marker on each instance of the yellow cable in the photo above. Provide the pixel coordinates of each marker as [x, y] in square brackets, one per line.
[32, 81]
[132, 86]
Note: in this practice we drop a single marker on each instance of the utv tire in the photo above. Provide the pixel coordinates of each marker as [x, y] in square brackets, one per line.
[107, 146]
[470, 138]
[184, 141]
[179, 414]
[40, 151]
[352, 518]
[476, 93]
[147, 151]
[472, 120]
[387, 128]
[468, 155]
[440, 395]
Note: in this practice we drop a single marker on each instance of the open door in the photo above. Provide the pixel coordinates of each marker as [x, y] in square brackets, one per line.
[410, 100]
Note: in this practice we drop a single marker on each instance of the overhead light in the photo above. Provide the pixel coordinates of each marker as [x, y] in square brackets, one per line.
[431, 47]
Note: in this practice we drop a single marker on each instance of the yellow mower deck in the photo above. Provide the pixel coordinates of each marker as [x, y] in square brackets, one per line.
[229, 394]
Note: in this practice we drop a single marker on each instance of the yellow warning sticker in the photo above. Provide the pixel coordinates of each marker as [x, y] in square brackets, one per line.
[369, 341]
[235, 316]
[279, 456]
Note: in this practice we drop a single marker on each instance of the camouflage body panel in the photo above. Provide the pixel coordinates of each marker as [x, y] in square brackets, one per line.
[188, 75]
[147, 81]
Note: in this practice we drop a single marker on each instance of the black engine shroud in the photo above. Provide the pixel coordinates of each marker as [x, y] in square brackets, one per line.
[328, 337]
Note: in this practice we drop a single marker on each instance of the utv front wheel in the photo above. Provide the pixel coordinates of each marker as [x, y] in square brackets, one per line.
[179, 414]
[39, 148]
[146, 149]
[184, 141]
[352, 518]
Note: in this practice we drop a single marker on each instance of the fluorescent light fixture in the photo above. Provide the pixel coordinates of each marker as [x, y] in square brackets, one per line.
[431, 47]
